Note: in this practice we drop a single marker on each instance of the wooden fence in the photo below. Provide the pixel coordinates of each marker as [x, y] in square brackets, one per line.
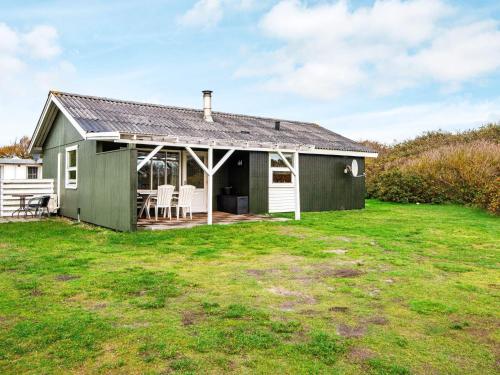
[8, 188]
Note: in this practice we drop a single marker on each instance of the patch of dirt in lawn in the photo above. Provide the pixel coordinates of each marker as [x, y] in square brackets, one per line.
[287, 306]
[263, 272]
[99, 306]
[358, 354]
[324, 270]
[378, 320]
[36, 292]
[351, 331]
[483, 330]
[345, 239]
[310, 312]
[341, 309]
[304, 279]
[347, 272]
[304, 298]
[335, 251]
[136, 325]
[3, 245]
[338, 272]
[191, 317]
[66, 277]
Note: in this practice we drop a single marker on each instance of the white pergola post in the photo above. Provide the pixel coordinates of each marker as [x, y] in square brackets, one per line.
[297, 185]
[295, 172]
[210, 185]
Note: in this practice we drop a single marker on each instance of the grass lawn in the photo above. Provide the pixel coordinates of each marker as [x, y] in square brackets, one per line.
[393, 289]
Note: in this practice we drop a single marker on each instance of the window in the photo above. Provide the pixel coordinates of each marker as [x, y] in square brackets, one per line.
[173, 172]
[194, 174]
[161, 169]
[279, 173]
[71, 167]
[32, 173]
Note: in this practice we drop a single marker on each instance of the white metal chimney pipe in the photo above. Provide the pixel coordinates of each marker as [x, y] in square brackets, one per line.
[207, 106]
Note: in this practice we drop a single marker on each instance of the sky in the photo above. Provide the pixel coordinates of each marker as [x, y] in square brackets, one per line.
[379, 70]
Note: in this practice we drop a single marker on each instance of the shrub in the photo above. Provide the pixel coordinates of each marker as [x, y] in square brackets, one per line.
[439, 167]
[400, 186]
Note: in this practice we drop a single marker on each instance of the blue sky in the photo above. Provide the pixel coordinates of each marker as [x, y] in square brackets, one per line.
[383, 70]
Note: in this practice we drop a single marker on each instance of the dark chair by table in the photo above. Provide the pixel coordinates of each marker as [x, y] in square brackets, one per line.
[39, 204]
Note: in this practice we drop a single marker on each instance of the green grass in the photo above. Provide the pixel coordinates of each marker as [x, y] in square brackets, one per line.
[417, 291]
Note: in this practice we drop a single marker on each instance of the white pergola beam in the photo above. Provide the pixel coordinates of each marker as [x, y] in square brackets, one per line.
[248, 148]
[149, 157]
[223, 160]
[292, 169]
[197, 159]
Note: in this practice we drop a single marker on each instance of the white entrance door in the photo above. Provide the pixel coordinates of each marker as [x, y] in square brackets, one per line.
[192, 174]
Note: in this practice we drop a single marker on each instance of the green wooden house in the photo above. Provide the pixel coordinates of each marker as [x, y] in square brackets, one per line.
[100, 152]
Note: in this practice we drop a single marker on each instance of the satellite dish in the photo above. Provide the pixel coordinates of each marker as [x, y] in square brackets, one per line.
[354, 168]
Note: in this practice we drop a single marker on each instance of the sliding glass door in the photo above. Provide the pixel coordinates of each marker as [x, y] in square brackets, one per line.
[173, 169]
[167, 168]
[162, 169]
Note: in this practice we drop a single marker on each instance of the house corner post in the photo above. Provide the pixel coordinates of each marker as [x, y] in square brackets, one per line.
[210, 184]
[297, 184]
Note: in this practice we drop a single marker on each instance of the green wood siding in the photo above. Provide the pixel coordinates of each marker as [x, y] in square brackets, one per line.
[62, 133]
[324, 186]
[259, 182]
[112, 202]
[107, 182]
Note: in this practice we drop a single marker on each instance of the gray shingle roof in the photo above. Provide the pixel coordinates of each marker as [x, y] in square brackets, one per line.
[96, 114]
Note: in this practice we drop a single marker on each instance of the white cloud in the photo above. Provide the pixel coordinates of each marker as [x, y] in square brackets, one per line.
[208, 13]
[9, 39]
[20, 52]
[205, 14]
[41, 42]
[404, 122]
[330, 48]
[29, 67]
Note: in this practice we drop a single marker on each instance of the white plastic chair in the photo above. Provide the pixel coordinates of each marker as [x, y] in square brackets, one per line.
[163, 200]
[186, 194]
[53, 204]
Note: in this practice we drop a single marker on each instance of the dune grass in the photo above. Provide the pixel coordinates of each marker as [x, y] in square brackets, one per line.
[392, 289]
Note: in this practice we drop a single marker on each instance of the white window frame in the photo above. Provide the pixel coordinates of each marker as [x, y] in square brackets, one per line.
[165, 153]
[280, 169]
[71, 184]
[28, 172]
